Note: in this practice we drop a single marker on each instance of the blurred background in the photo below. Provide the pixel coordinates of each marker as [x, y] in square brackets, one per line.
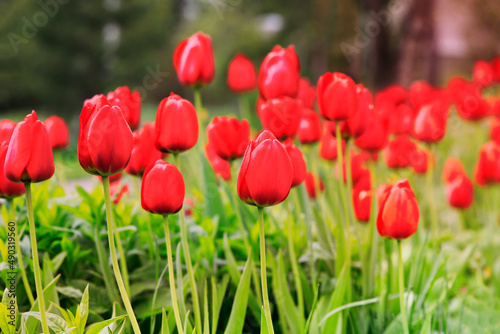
[56, 53]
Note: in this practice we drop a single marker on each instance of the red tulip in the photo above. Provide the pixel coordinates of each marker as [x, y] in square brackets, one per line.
[312, 184]
[376, 136]
[401, 120]
[29, 157]
[482, 73]
[298, 162]
[460, 192]
[117, 191]
[8, 189]
[399, 213]
[241, 74]
[420, 160]
[162, 189]
[495, 65]
[399, 152]
[266, 173]
[194, 60]
[307, 93]
[487, 168]
[309, 131]
[468, 100]
[328, 146]
[105, 141]
[279, 73]
[420, 93]
[494, 125]
[393, 95]
[6, 128]
[381, 193]
[176, 125]
[430, 122]
[358, 169]
[337, 97]
[362, 199]
[451, 169]
[358, 122]
[229, 137]
[58, 132]
[220, 166]
[144, 152]
[281, 116]
[129, 103]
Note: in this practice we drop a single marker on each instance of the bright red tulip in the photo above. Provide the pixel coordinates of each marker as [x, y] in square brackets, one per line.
[58, 132]
[337, 96]
[430, 122]
[309, 131]
[281, 116]
[229, 137]
[362, 195]
[221, 167]
[358, 122]
[468, 100]
[381, 193]
[6, 128]
[298, 162]
[460, 192]
[495, 65]
[266, 173]
[176, 125]
[194, 60]
[8, 189]
[401, 120]
[279, 73]
[241, 74]
[162, 189]
[398, 214]
[420, 160]
[328, 146]
[494, 125]
[144, 152]
[487, 168]
[420, 93]
[451, 169]
[29, 157]
[393, 95]
[130, 104]
[399, 152]
[313, 183]
[105, 140]
[482, 73]
[307, 93]
[376, 136]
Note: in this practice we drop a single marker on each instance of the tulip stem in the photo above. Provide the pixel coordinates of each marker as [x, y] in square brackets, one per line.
[342, 188]
[17, 237]
[123, 259]
[349, 179]
[199, 108]
[36, 263]
[112, 250]
[402, 291]
[263, 272]
[432, 206]
[171, 277]
[187, 254]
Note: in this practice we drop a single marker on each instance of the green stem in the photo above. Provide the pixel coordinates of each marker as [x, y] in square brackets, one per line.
[187, 254]
[349, 179]
[199, 108]
[340, 164]
[17, 238]
[402, 291]
[112, 250]
[36, 263]
[171, 277]
[432, 206]
[263, 272]
[123, 259]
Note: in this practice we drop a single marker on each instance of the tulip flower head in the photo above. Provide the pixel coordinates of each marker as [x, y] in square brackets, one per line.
[468, 100]
[399, 152]
[144, 152]
[281, 116]
[307, 93]
[359, 120]
[398, 213]
[130, 104]
[328, 146]
[460, 192]
[241, 74]
[376, 136]
[451, 169]
[229, 137]
[6, 128]
[420, 159]
[221, 167]
[298, 162]
[309, 131]
[29, 157]
[362, 195]
[337, 96]
[8, 189]
[430, 122]
[482, 73]
[58, 132]
[266, 173]
[486, 170]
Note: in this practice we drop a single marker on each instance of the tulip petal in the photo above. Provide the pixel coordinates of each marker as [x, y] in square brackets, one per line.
[41, 164]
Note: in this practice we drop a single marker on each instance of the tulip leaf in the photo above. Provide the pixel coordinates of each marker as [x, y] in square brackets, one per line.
[103, 325]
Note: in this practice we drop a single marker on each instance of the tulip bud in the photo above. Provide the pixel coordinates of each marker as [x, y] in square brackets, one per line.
[6, 128]
[162, 190]
[281, 116]
[486, 170]
[8, 189]
[129, 103]
[298, 162]
[398, 214]
[309, 131]
[460, 192]
[241, 74]
[220, 166]
[29, 157]
[313, 183]
[144, 152]
[105, 141]
[362, 199]
[194, 60]
[176, 125]
[229, 137]
[58, 132]
[266, 173]
[337, 97]
[420, 160]
[376, 136]
[307, 93]
[430, 122]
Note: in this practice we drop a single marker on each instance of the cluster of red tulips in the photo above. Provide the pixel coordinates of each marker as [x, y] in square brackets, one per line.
[352, 127]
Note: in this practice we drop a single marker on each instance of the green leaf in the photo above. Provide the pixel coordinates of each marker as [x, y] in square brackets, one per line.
[55, 322]
[97, 328]
[305, 330]
[84, 310]
[206, 315]
[231, 262]
[4, 320]
[217, 297]
[32, 322]
[337, 299]
[426, 327]
[238, 311]
[164, 322]
[282, 295]
[263, 322]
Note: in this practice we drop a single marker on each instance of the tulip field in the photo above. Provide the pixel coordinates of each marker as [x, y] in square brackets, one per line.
[316, 206]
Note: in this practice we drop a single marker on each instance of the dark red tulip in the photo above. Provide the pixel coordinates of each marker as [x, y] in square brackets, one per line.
[399, 213]
[279, 73]
[229, 137]
[486, 170]
[430, 122]
[241, 74]
[358, 122]
[8, 189]
[176, 125]
[460, 192]
[266, 173]
[468, 100]
[194, 60]
[313, 183]
[162, 189]
[105, 140]
[309, 131]
[362, 195]
[144, 152]
[328, 146]
[376, 136]
[281, 116]
[482, 73]
[298, 162]
[452, 168]
[420, 160]
[399, 152]
[307, 93]
[401, 120]
[337, 97]
[420, 93]
[221, 167]
[130, 104]
[58, 132]
[6, 128]
[29, 157]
